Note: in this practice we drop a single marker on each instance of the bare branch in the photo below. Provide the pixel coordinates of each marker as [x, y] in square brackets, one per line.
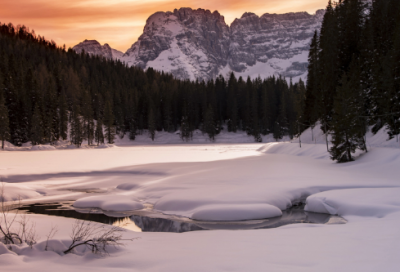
[94, 236]
[50, 235]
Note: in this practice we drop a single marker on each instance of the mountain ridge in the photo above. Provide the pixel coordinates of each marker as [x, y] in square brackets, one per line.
[198, 44]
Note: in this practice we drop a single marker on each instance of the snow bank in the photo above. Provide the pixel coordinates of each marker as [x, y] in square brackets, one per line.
[316, 151]
[43, 147]
[317, 136]
[371, 202]
[16, 192]
[10, 147]
[224, 137]
[105, 146]
[117, 203]
[235, 212]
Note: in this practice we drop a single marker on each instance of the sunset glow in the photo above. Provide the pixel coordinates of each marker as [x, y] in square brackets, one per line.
[120, 22]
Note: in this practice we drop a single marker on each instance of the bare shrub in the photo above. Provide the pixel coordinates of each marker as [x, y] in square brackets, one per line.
[7, 221]
[28, 231]
[94, 236]
[50, 235]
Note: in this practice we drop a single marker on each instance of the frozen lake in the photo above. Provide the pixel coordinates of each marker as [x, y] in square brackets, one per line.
[234, 191]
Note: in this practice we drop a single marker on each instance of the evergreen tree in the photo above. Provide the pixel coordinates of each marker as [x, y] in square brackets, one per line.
[328, 64]
[185, 133]
[4, 121]
[277, 131]
[77, 130]
[132, 130]
[392, 85]
[348, 129]
[109, 122]
[383, 17]
[152, 123]
[232, 106]
[87, 115]
[282, 118]
[63, 116]
[254, 123]
[132, 118]
[209, 124]
[36, 127]
[99, 136]
[312, 105]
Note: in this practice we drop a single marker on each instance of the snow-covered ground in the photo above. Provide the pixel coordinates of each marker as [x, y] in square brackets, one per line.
[161, 138]
[217, 182]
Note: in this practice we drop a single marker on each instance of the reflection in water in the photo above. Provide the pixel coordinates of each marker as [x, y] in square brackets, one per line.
[128, 224]
[152, 222]
[148, 224]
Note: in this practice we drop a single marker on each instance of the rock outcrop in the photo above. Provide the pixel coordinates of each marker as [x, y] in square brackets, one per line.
[93, 47]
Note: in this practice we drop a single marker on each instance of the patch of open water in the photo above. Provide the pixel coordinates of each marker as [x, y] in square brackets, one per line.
[149, 221]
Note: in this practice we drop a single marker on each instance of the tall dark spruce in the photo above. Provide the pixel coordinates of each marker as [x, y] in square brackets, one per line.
[353, 82]
[4, 121]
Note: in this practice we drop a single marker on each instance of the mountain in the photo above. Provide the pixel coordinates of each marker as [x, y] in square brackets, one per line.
[187, 43]
[193, 44]
[93, 47]
[272, 43]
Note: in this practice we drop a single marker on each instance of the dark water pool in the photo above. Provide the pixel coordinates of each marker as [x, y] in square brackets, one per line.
[146, 221]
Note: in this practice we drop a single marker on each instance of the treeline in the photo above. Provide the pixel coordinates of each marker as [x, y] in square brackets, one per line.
[49, 94]
[354, 73]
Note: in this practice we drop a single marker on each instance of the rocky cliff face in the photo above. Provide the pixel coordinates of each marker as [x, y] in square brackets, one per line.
[280, 41]
[187, 43]
[93, 47]
[193, 44]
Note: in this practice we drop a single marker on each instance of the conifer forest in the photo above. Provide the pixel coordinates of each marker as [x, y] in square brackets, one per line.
[49, 93]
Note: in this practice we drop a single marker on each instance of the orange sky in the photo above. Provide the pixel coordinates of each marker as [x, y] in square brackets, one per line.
[120, 22]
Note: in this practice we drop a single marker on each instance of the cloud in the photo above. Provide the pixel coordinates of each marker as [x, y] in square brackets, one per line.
[120, 22]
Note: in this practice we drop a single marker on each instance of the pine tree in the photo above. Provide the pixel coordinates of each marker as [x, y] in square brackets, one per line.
[232, 107]
[4, 121]
[209, 124]
[282, 118]
[109, 122]
[383, 17]
[152, 123]
[76, 132]
[132, 129]
[348, 129]
[254, 123]
[299, 105]
[36, 127]
[311, 100]
[132, 115]
[328, 65]
[392, 85]
[277, 132]
[186, 133]
[99, 136]
[63, 116]
[87, 115]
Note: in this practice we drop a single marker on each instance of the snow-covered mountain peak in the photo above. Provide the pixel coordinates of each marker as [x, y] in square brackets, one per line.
[187, 43]
[197, 43]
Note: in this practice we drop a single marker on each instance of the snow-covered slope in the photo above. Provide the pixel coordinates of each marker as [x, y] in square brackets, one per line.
[194, 44]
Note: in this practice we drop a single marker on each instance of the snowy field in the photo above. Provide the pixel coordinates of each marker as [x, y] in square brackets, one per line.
[220, 181]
